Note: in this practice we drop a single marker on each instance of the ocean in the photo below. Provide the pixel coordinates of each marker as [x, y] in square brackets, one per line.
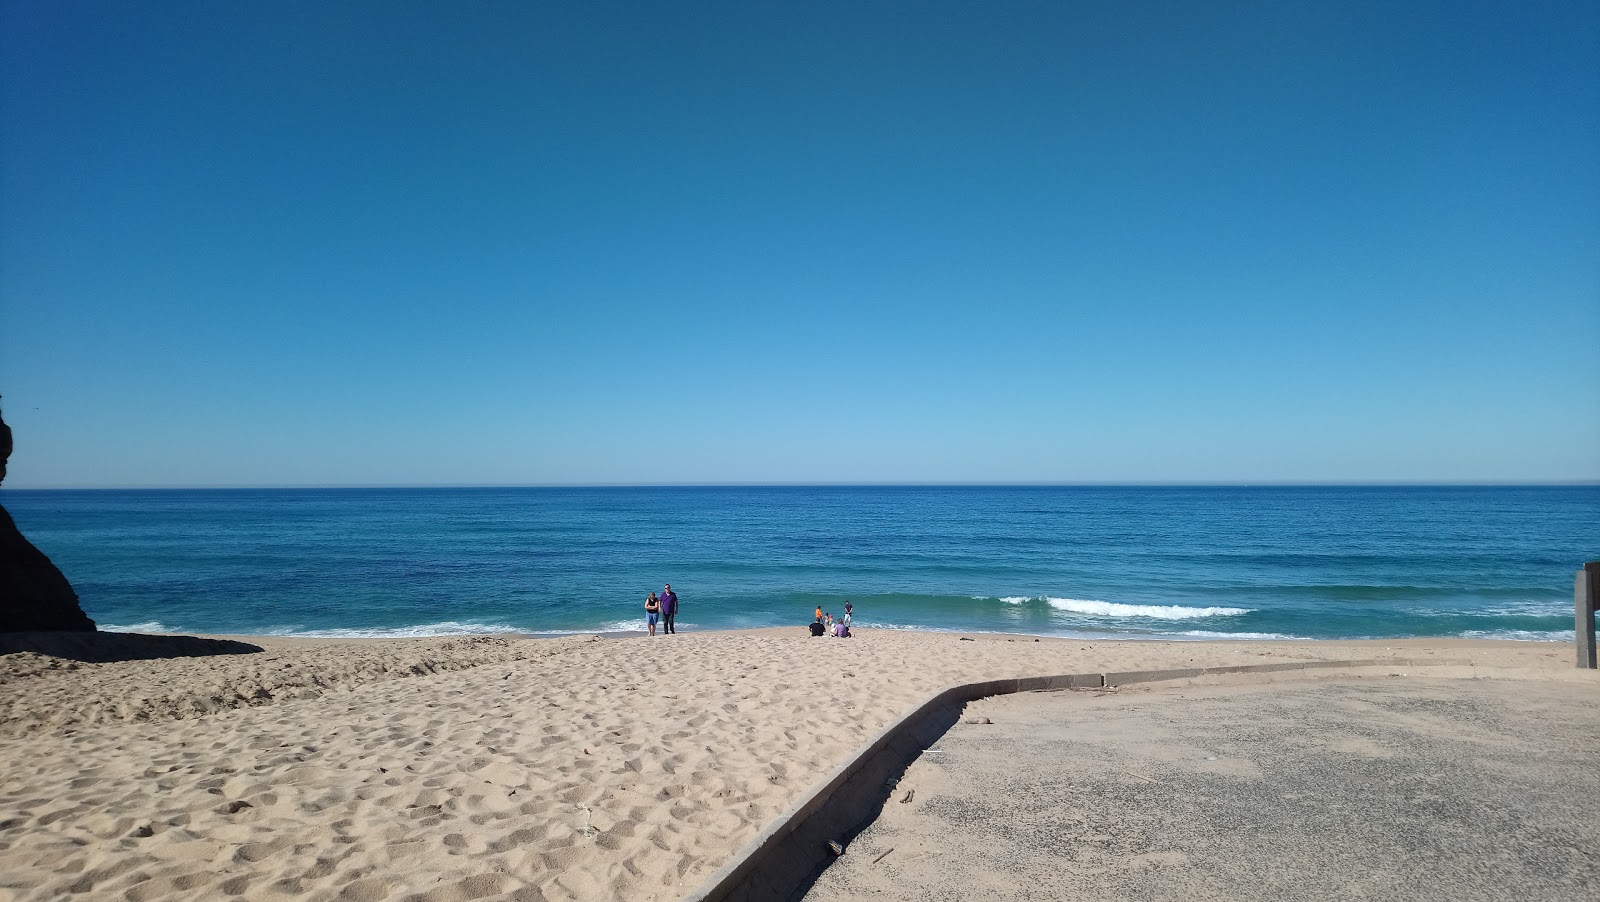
[1092, 562]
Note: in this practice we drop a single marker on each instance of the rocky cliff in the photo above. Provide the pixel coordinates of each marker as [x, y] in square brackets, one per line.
[34, 595]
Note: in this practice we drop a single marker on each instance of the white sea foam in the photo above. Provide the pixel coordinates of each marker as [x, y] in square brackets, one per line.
[958, 631]
[1524, 635]
[1095, 608]
[1086, 635]
[635, 625]
[148, 626]
[1562, 608]
[1182, 636]
[901, 627]
[1528, 608]
[1212, 634]
[1152, 611]
[417, 631]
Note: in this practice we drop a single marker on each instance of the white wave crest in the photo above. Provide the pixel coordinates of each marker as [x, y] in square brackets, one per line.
[1529, 608]
[636, 625]
[148, 626]
[1085, 635]
[1152, 611]
[1211, 634]
[900, 627]
[1523, 635]
[417, 631]
[1562, 608]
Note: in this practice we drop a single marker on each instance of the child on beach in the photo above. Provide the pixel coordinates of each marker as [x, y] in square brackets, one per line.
[652, 611]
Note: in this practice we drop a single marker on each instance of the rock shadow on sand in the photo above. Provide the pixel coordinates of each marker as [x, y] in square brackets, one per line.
[102, 648]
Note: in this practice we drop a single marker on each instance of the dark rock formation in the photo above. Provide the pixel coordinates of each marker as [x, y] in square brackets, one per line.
[34, 595]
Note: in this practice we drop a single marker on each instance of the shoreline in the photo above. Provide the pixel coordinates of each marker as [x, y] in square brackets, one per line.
[1565, 636]
[577, 767]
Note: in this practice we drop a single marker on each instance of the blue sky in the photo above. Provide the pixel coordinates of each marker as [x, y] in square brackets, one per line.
[326, 244]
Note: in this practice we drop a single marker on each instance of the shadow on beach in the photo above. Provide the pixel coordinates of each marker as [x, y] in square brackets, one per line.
[101, 648]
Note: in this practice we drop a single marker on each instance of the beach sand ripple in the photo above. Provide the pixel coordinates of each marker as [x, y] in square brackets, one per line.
[479, 768]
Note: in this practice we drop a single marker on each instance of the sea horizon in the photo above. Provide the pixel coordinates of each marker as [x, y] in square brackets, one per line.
[1114, 484]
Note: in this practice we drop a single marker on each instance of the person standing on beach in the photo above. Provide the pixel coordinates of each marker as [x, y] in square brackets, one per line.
[652, 610]
[669, 609]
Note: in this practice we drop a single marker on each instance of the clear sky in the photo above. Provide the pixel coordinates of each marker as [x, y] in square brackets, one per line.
[389, 243]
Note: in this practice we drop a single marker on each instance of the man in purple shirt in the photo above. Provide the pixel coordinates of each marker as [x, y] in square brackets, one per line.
[669, 609]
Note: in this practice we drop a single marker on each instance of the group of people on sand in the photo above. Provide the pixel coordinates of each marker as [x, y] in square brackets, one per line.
[663, 607]
[663, 610]
[827, 625]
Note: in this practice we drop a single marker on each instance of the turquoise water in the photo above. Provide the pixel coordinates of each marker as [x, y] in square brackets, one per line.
[1080, 561]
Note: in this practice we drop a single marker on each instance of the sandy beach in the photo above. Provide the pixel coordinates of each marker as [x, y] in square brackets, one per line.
[488, 767]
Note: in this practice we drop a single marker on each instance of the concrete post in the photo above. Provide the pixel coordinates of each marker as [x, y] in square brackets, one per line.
[1585, 592]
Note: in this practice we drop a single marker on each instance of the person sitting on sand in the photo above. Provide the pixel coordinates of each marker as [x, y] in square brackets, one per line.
[652, 611]
[817, 628]
[841, 630]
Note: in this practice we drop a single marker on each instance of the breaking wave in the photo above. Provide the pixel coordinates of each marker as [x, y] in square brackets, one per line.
[635, 625]
[148, 626]
[1091, 608]
[417, 631]
[1524, 635]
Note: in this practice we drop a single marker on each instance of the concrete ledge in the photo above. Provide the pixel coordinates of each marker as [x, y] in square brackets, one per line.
[1128, 678]
[785, 857]
[1066, 681]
